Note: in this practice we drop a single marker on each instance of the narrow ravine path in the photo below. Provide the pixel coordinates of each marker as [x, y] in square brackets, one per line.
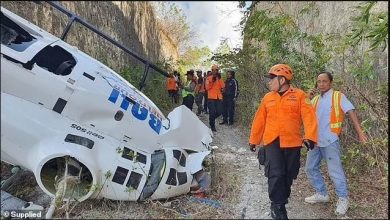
[253, 201]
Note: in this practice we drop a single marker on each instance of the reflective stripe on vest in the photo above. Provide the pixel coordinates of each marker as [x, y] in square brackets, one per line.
[337, 115]
[336, 125]
[336, 105]
[185, 93]
[314, 101]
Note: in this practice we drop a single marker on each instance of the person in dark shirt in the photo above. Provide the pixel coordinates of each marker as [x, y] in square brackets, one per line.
[229, 98]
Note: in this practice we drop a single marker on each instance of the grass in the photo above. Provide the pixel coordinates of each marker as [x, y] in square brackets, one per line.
[225, 188]
[367, 194]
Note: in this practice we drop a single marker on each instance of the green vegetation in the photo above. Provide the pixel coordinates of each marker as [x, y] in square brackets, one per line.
[194, 58]
[354, 57]
[155, 88]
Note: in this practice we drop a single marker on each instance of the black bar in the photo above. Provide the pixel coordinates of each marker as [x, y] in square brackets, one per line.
[88, 76]
[76, 18]
[67, 28]
[142, 83]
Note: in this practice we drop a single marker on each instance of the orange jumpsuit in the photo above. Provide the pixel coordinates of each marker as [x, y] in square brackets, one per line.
[282, 116]
[214, 89]
[171, 83]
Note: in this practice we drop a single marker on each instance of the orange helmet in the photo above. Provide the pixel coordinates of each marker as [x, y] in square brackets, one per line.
[214, 66]
[281, 70]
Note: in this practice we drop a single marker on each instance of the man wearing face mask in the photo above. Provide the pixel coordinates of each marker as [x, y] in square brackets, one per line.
[277, 124]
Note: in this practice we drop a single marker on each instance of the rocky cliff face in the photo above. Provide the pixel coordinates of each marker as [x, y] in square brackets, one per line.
[323, 17]
[130, 23]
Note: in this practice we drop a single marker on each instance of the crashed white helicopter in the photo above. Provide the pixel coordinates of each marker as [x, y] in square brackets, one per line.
[64, 113]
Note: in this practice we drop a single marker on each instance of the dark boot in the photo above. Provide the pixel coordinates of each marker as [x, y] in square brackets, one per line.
[278, 212]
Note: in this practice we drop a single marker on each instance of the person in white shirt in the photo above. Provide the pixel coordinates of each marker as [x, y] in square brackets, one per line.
[330, 108]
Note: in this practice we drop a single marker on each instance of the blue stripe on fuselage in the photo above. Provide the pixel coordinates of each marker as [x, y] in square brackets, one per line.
[114, 96]
[139, 112]
[125, 103]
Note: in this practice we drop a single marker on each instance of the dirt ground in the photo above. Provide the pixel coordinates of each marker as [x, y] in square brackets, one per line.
[238, 186]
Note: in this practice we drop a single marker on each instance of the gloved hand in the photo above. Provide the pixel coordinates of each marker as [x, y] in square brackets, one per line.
[252, 147]
[309, 144]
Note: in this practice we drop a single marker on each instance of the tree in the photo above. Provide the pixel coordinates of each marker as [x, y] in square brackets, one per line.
[195, 58]
[172, 19]
[225, 56]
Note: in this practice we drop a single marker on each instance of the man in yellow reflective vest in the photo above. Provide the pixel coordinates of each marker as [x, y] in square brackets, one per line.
[330, 108]
[188, 91]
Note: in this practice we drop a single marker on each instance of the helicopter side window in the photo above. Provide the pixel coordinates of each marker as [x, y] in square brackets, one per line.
[13, 36]
[55, 59]
[134, 180]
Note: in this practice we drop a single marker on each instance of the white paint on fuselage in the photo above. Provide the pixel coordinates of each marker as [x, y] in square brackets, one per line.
[32, 133]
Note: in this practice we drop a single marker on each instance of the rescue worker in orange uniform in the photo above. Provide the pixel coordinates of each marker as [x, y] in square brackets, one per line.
[171, 87]
[277, 125]
[214, 87]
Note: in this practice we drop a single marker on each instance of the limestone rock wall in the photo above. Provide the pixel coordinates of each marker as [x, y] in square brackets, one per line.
[328, 17]
[130, 23]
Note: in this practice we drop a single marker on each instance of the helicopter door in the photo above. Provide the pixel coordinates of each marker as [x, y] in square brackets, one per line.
[46, 79]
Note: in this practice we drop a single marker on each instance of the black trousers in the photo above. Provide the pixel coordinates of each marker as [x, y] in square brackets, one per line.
[215, 110]
[188, 101]
[228, 109]
[173, 95]
[281, 168]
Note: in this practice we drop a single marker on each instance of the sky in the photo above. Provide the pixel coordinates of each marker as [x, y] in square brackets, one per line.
[214, 21]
